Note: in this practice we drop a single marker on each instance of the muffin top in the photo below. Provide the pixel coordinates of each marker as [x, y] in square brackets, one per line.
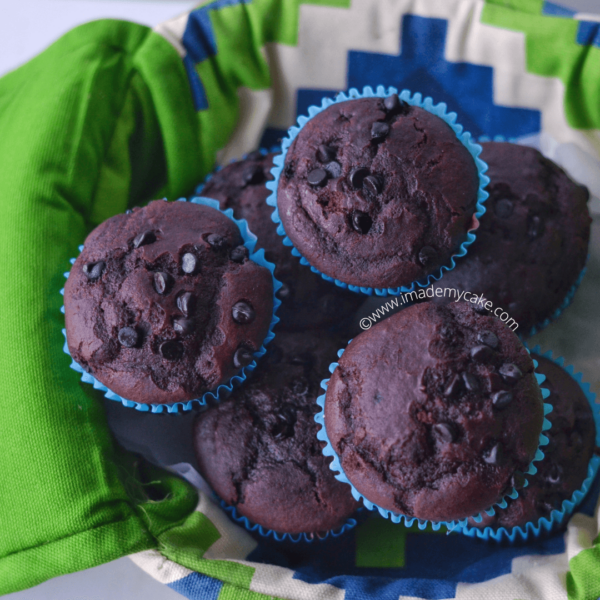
[433, 410]
[533, 240]
[572, 439]
[259, 449]
[308, 301]
[375, 192]
[163, 303]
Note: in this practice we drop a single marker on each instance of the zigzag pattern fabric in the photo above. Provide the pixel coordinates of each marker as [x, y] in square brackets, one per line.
[513, 69]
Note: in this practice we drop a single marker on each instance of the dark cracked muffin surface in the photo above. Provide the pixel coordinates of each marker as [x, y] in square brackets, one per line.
[433, 410]
[377, 193]
[572, 439]
[259, 449]
[532, 243]
[307, 301]
[163, 303]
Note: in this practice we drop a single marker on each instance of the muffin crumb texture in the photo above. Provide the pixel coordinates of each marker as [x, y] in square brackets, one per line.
[434, 410]
[259, 449]
[377, 193]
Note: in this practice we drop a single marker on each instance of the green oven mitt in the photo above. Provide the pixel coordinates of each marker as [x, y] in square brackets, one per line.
[104, 119]
[101, 120]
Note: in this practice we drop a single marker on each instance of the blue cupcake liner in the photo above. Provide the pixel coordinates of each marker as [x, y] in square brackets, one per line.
[336, 466]
[281, 537]
[263, 151]
[414, 100]
[557, 517]
[225, 388]
[571, 293]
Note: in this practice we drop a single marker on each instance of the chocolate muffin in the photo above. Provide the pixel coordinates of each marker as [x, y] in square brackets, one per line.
[163, 303]
[533, 240]
[259, 450]
[377, 193]
[434, 410]
[308, 301]
[572, 440]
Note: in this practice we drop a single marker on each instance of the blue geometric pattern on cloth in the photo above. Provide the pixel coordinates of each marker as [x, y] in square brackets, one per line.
[556, 10]
[200, 44]
[195, 586]
[466, 88]
[457, 558]
[588, 32]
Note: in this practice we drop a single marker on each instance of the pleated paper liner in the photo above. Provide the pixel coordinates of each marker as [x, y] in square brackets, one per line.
[224, 389]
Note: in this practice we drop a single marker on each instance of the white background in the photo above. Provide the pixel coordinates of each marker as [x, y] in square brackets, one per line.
[26, 28]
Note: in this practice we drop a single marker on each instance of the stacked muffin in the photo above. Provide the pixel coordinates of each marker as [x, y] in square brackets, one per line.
[434, 413]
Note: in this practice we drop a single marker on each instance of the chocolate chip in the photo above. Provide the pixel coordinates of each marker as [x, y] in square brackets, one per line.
[300, 386]
[171, 350]
[554, 474]
[147, 237]
[188, 263]
[325, 153]
[128, 337]
[447, 332]
[253, 175]
[162, 282]
[334, 169]
[454, 387]
[243, 313]
[372, 185]
[503, 208]
[535, 227]
[393, 104]
[93, 271]
[471, 382]
[510, 373]
[238, 254]
[361, 222]
[489, 339]
[480, 309]
[502, 399]
[284, 424]
[288, 170]
[243, 357]
[256, 155]
[445, 432]
[482, 353]
[183, 326]
[317, 177]
[493, 382]
[357, 177]
[218, 242]
[285, 291]
[517, 480]
[379, 131]
[495, 456]
[427, 255]
[186, 303]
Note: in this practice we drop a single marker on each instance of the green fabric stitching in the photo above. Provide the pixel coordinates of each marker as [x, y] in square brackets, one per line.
[583, 580]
